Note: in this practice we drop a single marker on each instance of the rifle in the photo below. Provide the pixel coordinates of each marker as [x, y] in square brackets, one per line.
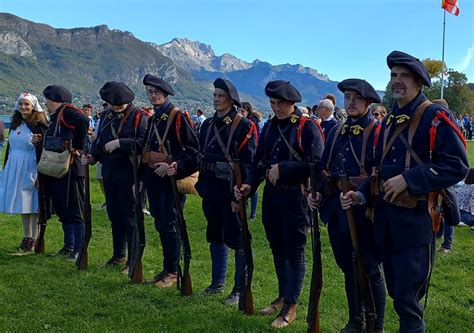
[184, 283]
[138, 242]
[83, 260]
[246, 298]
[312, 318]
[363, 280]
[42, 217]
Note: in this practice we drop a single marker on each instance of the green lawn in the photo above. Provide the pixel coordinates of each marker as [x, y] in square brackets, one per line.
[44, 293]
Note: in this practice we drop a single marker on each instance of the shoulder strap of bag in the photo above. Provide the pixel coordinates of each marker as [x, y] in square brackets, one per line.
[333, 143]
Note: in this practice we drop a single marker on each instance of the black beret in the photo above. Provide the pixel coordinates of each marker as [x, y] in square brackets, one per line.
[414, 65]
[229, 88]
[362, 87]
[116, 93]
[57, 94]
[151, 80]
[282, 90]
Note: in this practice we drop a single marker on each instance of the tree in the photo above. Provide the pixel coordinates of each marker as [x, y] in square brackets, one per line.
[434, 67]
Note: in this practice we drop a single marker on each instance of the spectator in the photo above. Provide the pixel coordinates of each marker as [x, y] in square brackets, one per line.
[199, 119]
[247, 112]
[378, 111]
[339, 113]
[326, 114]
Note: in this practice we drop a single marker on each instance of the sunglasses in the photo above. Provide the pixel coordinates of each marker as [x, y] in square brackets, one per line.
[376, 114]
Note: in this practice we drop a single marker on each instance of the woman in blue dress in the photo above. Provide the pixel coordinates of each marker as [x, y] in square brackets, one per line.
[18, 193]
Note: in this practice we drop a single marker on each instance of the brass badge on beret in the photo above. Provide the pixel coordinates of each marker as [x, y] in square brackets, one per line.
[164, 116]
[356, 129]
[402, 118]
[227, 120]
[344, 128]
[294, 118]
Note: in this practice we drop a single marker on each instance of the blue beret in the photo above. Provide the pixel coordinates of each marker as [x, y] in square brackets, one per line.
[151, 80]
[362, 87]
[229, 88]
[414, 65]
[282, 90]
[57, 94]
[116, 93]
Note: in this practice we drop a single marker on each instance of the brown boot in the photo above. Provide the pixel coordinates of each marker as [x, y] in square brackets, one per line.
[167, 280]
[274, 306]
[286, 316]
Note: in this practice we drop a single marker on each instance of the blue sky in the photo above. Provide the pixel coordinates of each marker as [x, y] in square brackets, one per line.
[341, 38]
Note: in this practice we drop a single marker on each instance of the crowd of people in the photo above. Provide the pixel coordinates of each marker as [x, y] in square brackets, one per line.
[392, 161]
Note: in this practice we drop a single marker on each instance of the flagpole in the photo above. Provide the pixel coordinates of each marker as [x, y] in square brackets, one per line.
[442, 60]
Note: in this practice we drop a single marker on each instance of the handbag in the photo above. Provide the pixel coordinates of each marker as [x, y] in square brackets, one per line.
[54, 160]
[54, 164]
[186, 185]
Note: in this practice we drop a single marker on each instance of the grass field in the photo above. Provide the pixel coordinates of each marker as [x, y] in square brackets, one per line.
[44, 293]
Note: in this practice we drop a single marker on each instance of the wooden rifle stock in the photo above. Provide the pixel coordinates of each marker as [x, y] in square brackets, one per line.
[83, 260]
[185, 284]
[246, 297]
[362, 275]
[42, 217]
[136, 269]
[313, 317]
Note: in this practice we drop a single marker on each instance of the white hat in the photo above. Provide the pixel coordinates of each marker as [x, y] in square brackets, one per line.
[30, 98]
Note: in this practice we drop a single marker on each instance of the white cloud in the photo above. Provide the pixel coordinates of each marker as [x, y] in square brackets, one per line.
[465, 65]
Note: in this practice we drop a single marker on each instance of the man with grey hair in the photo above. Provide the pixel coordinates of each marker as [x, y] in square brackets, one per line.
[326, 114]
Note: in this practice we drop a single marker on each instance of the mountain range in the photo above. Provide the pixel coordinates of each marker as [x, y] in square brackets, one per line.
[34, 55]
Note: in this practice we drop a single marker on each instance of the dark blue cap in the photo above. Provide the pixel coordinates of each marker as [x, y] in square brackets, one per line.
[282, 90]
[229, 88]
[57, 94]
[362, 87]
[116, 93]
[414, 65]
[155, 81]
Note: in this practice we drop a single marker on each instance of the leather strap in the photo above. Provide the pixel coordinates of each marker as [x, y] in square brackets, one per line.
[333, 143]
[169, 121]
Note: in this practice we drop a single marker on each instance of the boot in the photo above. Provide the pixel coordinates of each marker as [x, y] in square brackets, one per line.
[167, 280]
[286, 316]
[274, 306]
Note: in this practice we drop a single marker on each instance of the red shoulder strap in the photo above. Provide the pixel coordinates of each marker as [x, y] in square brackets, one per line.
[252, 131]
[299, 130]
[434, 124]
[62, 116]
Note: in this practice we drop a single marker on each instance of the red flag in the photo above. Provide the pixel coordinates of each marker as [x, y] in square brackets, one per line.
[451, 6]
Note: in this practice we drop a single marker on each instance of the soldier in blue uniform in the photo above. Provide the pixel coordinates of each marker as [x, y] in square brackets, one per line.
[286, 145]
[67, 193]
[406, 173]
[169, 127]
[222, 138]
[122, 127]
[354, 140]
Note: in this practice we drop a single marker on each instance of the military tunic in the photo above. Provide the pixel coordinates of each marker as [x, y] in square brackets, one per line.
[184, 148]
[117, 171]
[406, 234]
[348, 145]
[215, 186]
[284, 209]
[67, 193]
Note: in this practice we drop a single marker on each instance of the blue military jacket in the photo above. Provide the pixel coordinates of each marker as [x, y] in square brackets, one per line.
[272, 149]
[349, 143]
[132, 133]
[447, 166]
[212, 161]
[182, 139]
[73, 129]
